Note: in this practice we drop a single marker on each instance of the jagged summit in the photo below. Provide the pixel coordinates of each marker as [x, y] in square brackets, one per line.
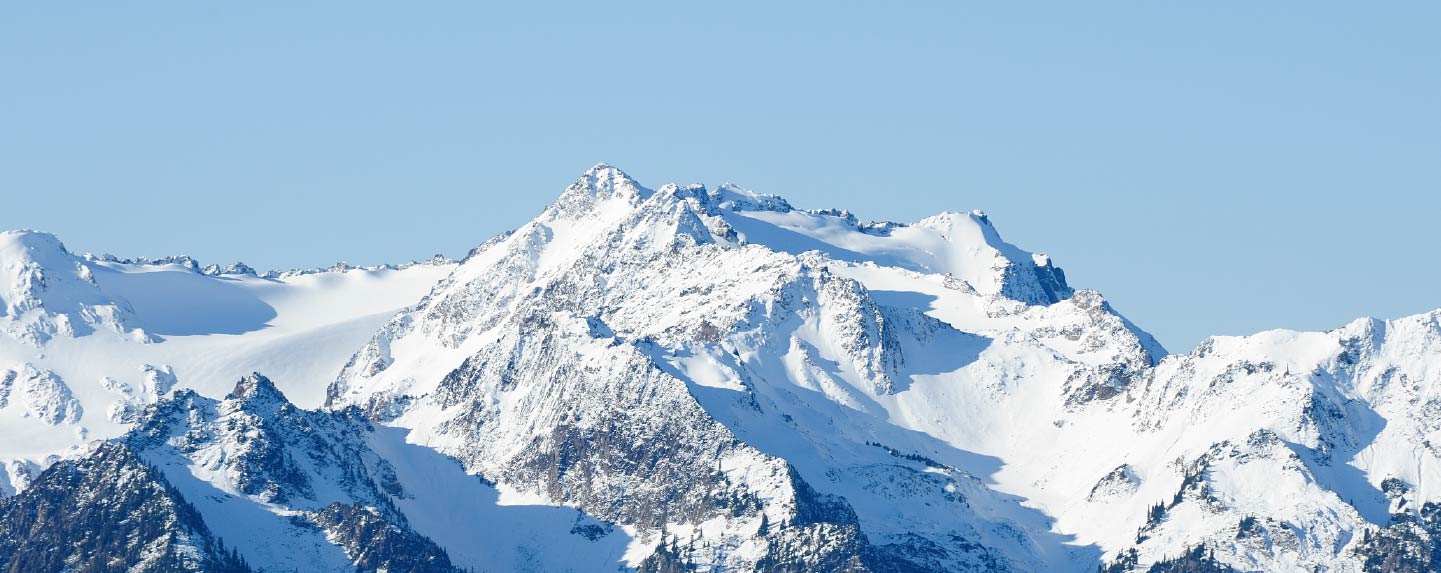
[604, 173]
[255, 387]
[599, 186]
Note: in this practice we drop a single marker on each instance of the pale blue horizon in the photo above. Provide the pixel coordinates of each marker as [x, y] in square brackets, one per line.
[1216, 169]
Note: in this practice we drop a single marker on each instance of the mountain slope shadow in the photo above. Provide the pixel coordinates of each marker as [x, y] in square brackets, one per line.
[183, 303]
[1347, 429]
[465, 515]
[941, 348]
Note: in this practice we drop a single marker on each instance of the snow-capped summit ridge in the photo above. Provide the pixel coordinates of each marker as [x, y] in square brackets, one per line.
[962, 245]
[602, 182]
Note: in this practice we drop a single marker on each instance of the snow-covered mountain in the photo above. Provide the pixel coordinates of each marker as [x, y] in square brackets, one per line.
[87, 342]
[702, 379]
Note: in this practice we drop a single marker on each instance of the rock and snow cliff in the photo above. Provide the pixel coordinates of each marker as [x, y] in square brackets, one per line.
[688, 378]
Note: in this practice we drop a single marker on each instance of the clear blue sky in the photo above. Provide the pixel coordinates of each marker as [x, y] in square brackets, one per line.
[1212, 168]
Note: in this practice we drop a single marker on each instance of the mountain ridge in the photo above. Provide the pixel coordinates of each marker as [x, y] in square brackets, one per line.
[714, 380]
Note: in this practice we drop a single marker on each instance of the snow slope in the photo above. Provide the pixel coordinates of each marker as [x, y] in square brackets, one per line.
[88, 342]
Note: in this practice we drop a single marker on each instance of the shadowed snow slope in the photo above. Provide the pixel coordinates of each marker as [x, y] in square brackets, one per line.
[685, 378]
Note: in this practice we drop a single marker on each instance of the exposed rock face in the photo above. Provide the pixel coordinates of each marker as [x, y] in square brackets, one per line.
[107, 512]
[1119, 482]
[374, 543]
[267, 448]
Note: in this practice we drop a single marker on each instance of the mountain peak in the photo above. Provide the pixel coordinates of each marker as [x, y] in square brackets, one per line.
[256, 388]
[603, 168]
[604, 180]
[600, 185]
